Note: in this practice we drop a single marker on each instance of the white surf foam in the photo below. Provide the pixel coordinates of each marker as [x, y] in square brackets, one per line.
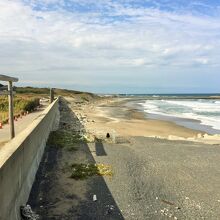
[206, 111]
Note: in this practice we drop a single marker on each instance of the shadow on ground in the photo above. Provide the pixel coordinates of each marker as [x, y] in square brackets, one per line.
[55, 195]
[99, 149]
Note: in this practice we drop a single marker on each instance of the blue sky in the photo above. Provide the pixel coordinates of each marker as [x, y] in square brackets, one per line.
[112, 46]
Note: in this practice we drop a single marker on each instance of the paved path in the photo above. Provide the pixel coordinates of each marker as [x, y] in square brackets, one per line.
[20, 125]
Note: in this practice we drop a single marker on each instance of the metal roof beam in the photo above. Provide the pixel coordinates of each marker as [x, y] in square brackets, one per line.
[8, 78]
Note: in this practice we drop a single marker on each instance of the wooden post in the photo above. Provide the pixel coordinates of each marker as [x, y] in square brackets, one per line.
[51, 95]
[10, 100]
[10, 108]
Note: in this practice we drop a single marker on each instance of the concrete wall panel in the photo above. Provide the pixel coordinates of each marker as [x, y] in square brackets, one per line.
[20, 159]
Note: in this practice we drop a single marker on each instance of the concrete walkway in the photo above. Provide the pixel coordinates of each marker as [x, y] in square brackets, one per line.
[20, 125]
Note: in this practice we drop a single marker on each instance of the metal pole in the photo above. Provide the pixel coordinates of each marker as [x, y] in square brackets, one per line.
[51, 95]
[10, 107]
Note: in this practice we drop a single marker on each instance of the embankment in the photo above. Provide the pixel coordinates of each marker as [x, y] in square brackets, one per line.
[19, 161]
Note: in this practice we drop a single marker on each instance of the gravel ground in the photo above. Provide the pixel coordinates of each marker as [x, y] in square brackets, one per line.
[153, 179]
[56, 196]
[160, 179]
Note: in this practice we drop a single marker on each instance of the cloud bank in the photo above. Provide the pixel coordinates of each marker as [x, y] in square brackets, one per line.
[112, 46]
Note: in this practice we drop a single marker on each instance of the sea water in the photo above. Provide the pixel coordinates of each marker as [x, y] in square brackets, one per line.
[196, 111]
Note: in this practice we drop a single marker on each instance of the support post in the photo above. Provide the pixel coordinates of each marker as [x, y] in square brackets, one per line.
[10, 108]
[51, 95]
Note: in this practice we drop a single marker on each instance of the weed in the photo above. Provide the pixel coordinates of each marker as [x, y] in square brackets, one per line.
[82, 171]
[64, 139]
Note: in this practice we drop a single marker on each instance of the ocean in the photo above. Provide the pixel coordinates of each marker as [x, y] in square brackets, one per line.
[195, 111]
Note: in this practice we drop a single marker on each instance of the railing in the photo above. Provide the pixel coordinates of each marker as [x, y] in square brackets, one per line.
[10, 80]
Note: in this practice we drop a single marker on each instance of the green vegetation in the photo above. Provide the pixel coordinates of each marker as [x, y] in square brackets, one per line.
[46, 92]
[82, 171]
[3, 104]
[65, 139]
[21, 105]
[32, 90]
[27, 99]
[28, 104]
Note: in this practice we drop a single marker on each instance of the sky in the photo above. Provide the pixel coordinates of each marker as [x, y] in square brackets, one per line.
[112, 46]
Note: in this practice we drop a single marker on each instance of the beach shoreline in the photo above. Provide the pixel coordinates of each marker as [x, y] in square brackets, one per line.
[114, 115]
[187, 122]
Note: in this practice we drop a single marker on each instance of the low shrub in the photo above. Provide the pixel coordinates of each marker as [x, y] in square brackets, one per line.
[21, 105]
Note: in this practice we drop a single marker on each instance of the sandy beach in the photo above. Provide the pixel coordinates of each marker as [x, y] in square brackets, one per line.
[153, 178]
[116, 116]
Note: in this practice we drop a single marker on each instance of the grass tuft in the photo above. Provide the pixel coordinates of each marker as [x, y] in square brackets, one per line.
[82, 171]
[64, 139]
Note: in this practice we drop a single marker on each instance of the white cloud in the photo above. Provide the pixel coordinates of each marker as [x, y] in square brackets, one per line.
[63, 41]
[202, 60]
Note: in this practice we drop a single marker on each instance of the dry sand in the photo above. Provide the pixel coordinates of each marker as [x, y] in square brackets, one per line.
[114, 116]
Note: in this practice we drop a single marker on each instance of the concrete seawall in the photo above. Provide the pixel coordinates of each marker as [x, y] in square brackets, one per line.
[19, 161]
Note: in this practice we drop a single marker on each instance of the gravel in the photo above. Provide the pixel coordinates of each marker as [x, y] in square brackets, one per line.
[155, 178]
